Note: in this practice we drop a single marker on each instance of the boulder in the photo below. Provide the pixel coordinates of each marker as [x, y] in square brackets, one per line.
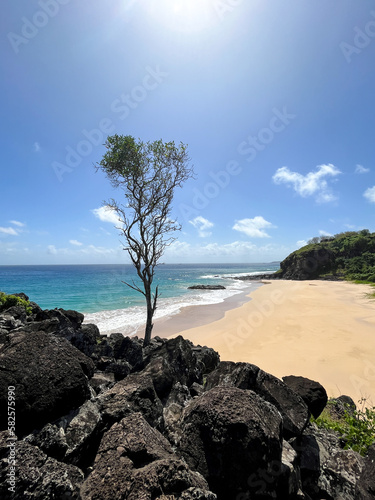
[338, 407]
[82, 430]
[230, 374]
[18, 313]
[181, 362]
[50, 377]
[85, 338]
[135, 461]
[208, 357]
[249, 377]
[327, 471]
[101, 381]
[50, 439]
[313, 393]
[74, 438]
[293, 409]
[38, 476]
[365, 487]
[119, 347]
[231, 436]
[135, 393]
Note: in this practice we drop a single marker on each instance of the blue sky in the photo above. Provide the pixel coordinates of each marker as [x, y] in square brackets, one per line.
[274, 99]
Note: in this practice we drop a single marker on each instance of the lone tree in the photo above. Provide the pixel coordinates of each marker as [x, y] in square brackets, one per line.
[148, 173]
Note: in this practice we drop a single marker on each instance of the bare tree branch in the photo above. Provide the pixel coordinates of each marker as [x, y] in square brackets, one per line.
[148, 173]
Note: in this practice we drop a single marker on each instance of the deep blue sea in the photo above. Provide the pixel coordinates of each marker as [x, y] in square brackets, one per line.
[98, 291]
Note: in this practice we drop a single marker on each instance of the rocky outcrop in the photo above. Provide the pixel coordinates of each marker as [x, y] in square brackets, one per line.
[136, 393]
[365, 486]
[135, 461]
[246, 376]
[167, 422]
[50, 377]
[313, 393]
[38, 476]
[224, 424]
[206, 287]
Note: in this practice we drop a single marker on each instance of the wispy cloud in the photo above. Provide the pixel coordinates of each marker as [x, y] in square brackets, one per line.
[253, 227]
[202, 224]
[52, 250]
[36, 147]
[75, 243]
[17, 223]
[369, 194]
[106, 214]
[311, 184]
[8, 230]
[360, 169]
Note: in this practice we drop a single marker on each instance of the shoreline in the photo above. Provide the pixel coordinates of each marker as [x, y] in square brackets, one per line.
[198, 315]
[322, 330]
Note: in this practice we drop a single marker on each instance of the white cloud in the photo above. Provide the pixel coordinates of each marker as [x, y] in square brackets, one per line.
[202, 224]
[253, 227]
[17, 223]
[236, 251]
[313, 183]
[324, 233]
[36, 147]
[52, 250]
[76, 243]
[301, 243]
[370, 194]
[92, 249]
[360, 169]
[106, 214]
[8, 230]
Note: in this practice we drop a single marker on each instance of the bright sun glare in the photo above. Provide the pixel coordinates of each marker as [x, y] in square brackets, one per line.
[185, 16]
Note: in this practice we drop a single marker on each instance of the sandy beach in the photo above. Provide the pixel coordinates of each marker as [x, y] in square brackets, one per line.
[322, 330]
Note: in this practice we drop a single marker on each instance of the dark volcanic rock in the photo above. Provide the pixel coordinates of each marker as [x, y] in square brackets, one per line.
[135, 461]
[247, 376]
[177, 360]
[327, 471]
[231, 436]
[85, 339]
[293, 409]
[365, 488]
[135, 393]
[74, 438]
[206, 287]
[313, 393]
[231, 374]
[119, 347]
[50, 377]
[307, 265]
[38, 476]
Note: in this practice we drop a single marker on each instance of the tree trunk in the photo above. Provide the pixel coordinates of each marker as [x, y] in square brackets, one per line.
[150, 313]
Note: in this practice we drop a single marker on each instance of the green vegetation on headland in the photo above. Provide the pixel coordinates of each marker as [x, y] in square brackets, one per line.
[7, 301]
[347, 256]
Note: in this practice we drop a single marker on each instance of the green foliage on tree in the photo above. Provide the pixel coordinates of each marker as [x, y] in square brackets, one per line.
[7, 301]
[148, 174]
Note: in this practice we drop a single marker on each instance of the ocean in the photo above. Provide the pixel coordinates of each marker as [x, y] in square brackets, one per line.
[98, 291]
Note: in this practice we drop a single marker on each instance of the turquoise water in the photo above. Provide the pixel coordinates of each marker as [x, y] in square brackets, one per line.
[99, 292]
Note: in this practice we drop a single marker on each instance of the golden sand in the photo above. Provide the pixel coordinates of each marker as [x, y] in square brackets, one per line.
[322, 330]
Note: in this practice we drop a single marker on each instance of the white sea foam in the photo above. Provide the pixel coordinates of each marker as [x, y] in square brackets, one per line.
[128, 320]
